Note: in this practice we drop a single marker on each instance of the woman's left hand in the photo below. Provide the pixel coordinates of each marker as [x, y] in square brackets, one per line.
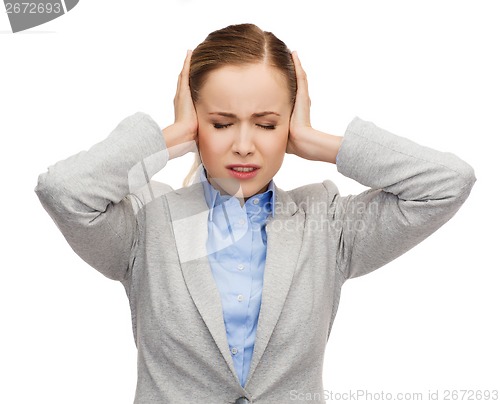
[300, 120]
[303, 140]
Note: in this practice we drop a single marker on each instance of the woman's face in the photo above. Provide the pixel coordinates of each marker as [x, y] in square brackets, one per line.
[243, 119]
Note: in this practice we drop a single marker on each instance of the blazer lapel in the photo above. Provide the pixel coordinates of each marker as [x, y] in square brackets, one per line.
[189, 213]
[284, 241]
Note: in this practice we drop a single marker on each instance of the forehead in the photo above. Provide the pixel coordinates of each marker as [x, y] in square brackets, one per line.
[245, 89]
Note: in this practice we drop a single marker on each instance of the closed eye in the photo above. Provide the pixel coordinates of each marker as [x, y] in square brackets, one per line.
[268, 127]
[222, 126]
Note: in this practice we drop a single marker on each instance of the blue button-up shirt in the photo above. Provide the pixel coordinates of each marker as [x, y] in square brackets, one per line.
[236, 246]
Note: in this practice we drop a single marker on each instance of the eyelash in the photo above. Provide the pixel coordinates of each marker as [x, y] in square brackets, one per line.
[221, 126]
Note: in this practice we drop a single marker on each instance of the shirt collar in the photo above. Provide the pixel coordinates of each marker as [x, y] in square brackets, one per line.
[213, 196]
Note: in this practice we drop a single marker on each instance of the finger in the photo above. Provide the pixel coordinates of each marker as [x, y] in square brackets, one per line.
[178, 85]
[185, 69]
[184, 72]
[300, 73]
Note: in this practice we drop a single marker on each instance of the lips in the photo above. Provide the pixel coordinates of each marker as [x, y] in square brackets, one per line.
[243, 167]
[243, 171]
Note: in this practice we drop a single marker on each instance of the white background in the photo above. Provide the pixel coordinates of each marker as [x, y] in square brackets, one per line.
[426, 70]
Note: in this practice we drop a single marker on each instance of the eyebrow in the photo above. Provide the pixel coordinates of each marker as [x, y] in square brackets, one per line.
[256, 115]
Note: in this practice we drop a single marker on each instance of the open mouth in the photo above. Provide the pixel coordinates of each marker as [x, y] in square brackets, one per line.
[243, 172]
[243, 169]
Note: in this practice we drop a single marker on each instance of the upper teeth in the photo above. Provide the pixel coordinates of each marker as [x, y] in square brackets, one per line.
[243, 168]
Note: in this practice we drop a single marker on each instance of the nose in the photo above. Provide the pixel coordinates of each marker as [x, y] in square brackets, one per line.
[243, 142]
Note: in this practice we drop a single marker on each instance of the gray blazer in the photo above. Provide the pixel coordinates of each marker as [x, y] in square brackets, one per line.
[151, 238]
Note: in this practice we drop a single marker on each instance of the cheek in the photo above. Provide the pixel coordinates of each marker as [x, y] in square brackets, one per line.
[211, 146]
[276, 144]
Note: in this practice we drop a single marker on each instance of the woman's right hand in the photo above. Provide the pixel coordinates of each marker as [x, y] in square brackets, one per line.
[182, 136]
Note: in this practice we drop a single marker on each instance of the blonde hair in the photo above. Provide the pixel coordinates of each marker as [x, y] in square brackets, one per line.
[238, 45]
[189, 177]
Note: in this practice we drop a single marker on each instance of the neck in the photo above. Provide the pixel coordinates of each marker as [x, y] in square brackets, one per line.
[242, 200]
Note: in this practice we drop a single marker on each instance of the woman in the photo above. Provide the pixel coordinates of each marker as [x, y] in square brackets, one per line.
[233, 282]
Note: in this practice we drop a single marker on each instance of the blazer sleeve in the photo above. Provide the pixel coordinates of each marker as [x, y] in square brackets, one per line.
[413, 191]
[91, 195]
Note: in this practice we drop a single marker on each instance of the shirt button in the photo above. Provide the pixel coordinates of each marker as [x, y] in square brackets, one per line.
[240, 298]
[255, 201]
[234, 351]
[241, 266]
[241, 222]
